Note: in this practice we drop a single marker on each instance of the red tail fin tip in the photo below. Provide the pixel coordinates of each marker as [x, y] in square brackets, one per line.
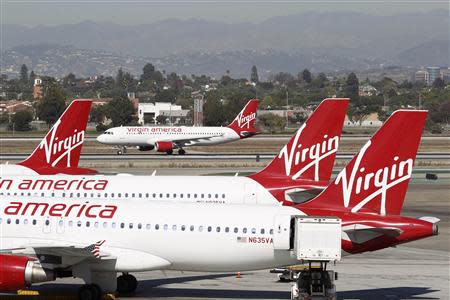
[244, 122]
[61, 147]
[311, 151]
[376, 179]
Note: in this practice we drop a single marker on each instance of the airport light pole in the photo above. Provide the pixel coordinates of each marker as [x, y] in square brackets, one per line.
[287, 108]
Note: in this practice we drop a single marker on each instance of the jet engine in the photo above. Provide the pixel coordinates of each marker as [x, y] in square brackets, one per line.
[164, 146]
[18, 272]
[146, 148]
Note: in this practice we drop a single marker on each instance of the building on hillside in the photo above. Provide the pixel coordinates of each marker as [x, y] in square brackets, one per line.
[433, 74]
[421, 76]
[38, 89]
[367, 90]
[151, 111]
[445, 73]
[13, 106]
[371, 120]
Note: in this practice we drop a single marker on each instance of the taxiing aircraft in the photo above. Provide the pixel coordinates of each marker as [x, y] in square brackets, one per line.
[59, 151]
[166, 139]
[95, 238]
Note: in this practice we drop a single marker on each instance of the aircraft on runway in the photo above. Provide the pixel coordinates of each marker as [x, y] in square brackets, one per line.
[308, 156]
[94, 239]
[166, 139]
[59, 151]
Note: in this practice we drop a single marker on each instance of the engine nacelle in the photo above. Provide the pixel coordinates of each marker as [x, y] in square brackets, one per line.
[18, 272]
[146, 148]
[164, 146]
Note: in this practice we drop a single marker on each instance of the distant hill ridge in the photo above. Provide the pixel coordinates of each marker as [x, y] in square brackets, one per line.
[319, 41]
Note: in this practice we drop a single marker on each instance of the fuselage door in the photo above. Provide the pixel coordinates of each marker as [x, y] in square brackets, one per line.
[282, 232]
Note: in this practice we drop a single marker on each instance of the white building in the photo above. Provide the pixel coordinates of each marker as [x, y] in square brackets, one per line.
[153, 110]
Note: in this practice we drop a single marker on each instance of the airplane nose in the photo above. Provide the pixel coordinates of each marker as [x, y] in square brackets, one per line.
[101, 138]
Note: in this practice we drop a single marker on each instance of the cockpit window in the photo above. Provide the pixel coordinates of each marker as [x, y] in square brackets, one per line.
[108, 132]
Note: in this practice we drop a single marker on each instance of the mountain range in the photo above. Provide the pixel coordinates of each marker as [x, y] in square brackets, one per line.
[319, 41]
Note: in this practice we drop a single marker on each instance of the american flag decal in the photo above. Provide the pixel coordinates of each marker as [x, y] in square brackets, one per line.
[241, 239]
[95, 248]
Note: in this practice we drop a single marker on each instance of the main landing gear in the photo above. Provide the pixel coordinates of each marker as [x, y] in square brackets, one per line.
[90, 292]
[315, 281]
[181, 151]
[121, 150]
[126, 284]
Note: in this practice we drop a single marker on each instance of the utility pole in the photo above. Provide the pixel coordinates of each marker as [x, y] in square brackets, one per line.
[287, 108]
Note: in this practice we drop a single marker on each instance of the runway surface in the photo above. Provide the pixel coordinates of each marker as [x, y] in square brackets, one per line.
[258, 137]
[204, 156]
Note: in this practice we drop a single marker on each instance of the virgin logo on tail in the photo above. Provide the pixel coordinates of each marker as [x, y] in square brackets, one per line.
[243, 121]
[55, 149]
[383, 179]
[297, 154]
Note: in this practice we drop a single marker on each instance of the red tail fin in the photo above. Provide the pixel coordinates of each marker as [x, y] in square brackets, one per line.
[311, 151]
[244, 122]
[377, 178]
[61, 147]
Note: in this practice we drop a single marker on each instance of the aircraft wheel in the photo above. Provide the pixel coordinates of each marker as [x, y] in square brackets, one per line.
[181, 152]
[126, 284]
[119, 152]
[90, 292]
[170, 152]
[132, 282]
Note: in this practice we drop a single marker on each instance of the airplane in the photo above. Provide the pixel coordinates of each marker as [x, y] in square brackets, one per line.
[303, 167]
[166, 139]
[59, 151]
[260, 188]
[327, 120]
[94, 239]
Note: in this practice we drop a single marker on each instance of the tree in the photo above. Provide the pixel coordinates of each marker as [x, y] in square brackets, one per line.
[272, 122]
[254, 76]
[306, 76]
[439, 84]
[213, 111]
[148, 72]
[120, 110]
[53, 103]
[20, 121]
[161, 119]
[24, 73]
[32, 77]
[352, 86]
[98, 114]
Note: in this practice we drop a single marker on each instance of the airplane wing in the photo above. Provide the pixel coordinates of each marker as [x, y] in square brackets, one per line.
[64, 254]
[183, 142]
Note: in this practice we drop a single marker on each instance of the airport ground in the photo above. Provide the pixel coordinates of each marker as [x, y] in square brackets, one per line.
[417, 270]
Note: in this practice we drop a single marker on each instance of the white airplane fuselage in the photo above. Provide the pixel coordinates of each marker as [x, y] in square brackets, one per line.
[180, 189]
[149, 136]
[147, 235]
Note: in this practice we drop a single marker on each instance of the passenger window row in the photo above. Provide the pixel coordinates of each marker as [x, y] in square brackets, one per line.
[146, 226]
[126, 195]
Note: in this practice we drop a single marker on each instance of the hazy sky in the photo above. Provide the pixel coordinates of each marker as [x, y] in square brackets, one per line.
[51, 12]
